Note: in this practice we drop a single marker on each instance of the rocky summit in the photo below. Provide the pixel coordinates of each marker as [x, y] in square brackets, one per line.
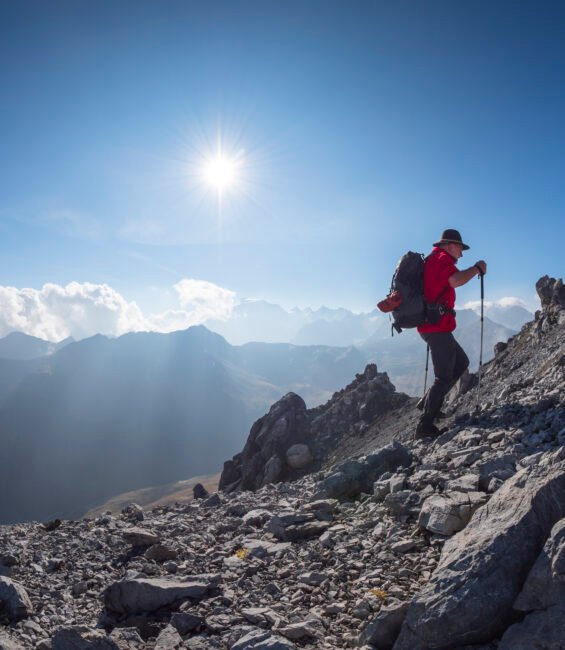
[334, 528]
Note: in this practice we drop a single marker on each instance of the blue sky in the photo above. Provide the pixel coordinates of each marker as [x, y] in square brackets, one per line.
[365, 129]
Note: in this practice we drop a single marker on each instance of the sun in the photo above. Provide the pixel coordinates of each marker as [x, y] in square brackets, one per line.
[221, 172]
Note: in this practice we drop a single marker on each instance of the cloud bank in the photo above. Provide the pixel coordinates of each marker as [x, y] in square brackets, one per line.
[508, 301]
[80, 310]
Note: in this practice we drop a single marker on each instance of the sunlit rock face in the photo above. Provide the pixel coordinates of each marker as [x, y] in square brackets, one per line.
[290, 440]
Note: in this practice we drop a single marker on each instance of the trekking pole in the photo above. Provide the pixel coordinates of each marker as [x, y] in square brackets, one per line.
[426, 375]
[482, 325]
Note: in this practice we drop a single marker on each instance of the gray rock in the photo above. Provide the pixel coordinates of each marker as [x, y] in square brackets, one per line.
[543, 595]
[263, 548]
[160, 553]
[82, 638]
[446, 514]
[141, 595]
[543, 630]
[404, 503]
[262, 640]
[355, 476]
[7, 643]
[134, 511]
[140, 537]
[286, 424]
[501, 468]
[14, 600]
[296, 631]
[465, 483]
[273, 470]
[545, 584]
[200, 492]
[383, 630]
[185, 622]
[470, 596]
[213, 501]
[312, 578]
[127, 638]
[299, 456]
[257, 517]
[168, 639]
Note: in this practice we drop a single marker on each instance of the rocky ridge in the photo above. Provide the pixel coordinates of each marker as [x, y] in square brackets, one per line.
[453, 543]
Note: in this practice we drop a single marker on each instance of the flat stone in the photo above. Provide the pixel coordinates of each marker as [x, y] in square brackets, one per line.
[140, 537]
[82, 638]
[149, 594]
[262, 640]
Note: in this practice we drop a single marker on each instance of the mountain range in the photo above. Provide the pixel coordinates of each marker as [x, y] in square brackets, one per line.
[103, 416]
[107, 416]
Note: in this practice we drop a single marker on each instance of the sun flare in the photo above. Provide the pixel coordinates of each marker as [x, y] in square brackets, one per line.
[221, 172]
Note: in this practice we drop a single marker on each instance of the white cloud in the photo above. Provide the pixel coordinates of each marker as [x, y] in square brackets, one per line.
[507, 301]
[205, 300]
[80, 310]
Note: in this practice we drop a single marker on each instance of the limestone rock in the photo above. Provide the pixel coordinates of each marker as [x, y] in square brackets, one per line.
[470, 597]
[383, 630]
[355, 476]
[543, 595]
[200, 492]
[149, 594]
[14, 599]
[140, 537]
[270, 437]
[262, 640]
[7, 643]
[81, 638]
[446, 514]
[298, 456]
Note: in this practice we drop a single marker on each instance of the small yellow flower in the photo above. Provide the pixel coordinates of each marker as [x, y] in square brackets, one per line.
[242, 553]
[379, 593]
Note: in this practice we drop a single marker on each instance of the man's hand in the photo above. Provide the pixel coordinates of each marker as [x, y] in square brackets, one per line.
[462, 277]
[481, 267]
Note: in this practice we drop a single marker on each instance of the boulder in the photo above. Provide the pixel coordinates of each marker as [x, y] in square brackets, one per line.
[385, 626]
[14, 600]
[446, 514]
[200, 492]
[142, 595]
[543, 596]
[140, 537]
[482, 569]
[355, 476]
[270, 437]
[404, 503]
[298, 456]
[551, 292]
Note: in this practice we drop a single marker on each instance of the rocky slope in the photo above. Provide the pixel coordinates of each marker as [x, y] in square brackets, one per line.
[378, 541]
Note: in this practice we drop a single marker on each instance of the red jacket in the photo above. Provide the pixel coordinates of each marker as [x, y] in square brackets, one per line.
[438, 268]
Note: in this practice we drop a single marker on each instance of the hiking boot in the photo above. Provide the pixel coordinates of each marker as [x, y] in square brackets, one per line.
[420, 406]
[426, 429]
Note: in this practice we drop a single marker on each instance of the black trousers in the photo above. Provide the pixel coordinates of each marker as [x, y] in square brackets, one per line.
[450, 362]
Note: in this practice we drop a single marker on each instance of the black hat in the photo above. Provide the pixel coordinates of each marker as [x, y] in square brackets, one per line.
[451, 236]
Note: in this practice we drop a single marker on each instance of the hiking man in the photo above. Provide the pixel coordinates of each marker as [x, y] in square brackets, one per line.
[441, 278]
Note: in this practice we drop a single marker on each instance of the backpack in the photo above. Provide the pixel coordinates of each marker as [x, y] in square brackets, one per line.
[406, 301]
